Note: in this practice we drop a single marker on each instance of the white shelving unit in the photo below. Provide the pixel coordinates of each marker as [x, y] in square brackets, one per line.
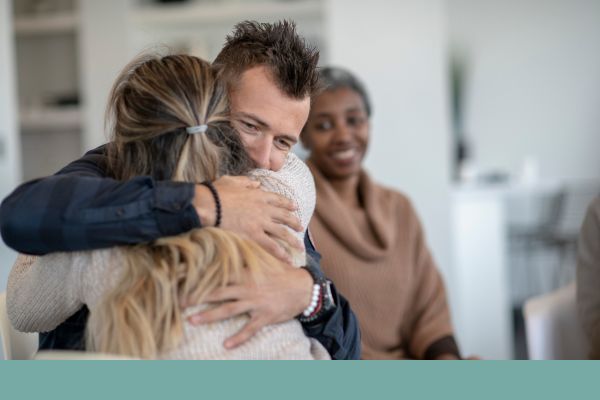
[60, 22]
[224, 12]
[78, 52]
[47, 47]
[194, 27]
[200, 27]
[50, 119]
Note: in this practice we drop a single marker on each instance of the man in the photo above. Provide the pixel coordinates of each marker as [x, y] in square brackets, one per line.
[271, 75]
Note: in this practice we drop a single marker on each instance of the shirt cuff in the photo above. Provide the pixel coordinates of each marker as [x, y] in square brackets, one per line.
[175, 212]
[445, 345]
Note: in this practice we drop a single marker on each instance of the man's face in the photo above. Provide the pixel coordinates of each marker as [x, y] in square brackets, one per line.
[269, 122]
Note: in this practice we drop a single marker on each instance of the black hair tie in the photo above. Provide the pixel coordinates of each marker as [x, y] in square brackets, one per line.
[215, 195]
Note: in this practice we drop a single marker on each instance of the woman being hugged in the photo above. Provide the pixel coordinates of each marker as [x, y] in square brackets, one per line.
[169, 120]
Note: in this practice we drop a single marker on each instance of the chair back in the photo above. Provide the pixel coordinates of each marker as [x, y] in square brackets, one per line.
[15, 345]
[552, 326]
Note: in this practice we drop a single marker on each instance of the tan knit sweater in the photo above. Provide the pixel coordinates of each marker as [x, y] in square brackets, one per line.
[379, 261]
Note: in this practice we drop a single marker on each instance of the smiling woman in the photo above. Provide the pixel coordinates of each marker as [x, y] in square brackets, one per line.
[370, 237]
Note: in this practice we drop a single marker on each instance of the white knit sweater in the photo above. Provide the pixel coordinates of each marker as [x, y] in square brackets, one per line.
[43, 292]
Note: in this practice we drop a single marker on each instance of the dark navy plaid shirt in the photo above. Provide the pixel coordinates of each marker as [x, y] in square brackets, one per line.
[79, 208]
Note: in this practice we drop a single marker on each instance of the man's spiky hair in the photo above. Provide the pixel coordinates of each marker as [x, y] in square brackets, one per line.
[291, 61]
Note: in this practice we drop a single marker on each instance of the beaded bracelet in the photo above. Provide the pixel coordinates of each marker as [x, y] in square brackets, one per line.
[215, 195]
[314, 301]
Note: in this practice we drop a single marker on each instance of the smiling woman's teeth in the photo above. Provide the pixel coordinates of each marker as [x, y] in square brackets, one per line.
[344, 155]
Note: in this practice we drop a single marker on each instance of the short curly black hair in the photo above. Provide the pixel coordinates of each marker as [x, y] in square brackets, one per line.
[277, 46]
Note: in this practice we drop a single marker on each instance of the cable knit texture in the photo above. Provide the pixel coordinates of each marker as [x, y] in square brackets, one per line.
[44, 292]
[378, 258]
[295, 182]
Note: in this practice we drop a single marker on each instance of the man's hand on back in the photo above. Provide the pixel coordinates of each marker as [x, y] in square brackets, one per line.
[275, 297]
[261, 216]
[251, 212]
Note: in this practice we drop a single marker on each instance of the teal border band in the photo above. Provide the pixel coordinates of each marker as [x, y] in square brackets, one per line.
[285, 380]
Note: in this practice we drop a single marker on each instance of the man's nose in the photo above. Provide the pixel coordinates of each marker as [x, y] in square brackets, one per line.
[261, 154]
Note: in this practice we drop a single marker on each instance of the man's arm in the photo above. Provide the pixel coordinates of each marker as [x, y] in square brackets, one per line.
[281, 297]
[338, 331]
[79, 208]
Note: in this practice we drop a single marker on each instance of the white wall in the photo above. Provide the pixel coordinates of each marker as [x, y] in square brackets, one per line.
[535, 83]
[398, 49]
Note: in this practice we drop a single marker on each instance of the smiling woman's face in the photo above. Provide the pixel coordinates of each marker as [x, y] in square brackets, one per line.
[337, 133]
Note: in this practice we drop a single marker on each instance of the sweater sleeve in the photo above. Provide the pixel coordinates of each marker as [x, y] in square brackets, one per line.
[588, 277]
[44, 292]
[431, 324]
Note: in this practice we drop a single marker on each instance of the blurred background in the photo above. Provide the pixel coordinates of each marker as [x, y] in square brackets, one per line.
[485, 114]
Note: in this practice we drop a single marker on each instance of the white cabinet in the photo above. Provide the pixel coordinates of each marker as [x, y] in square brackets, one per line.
[46, 46]
[481, 303]
[68, 53]
[200, 27]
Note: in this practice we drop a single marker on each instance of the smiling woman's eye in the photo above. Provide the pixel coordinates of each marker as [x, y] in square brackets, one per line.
[355, 120]
[324, 125]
